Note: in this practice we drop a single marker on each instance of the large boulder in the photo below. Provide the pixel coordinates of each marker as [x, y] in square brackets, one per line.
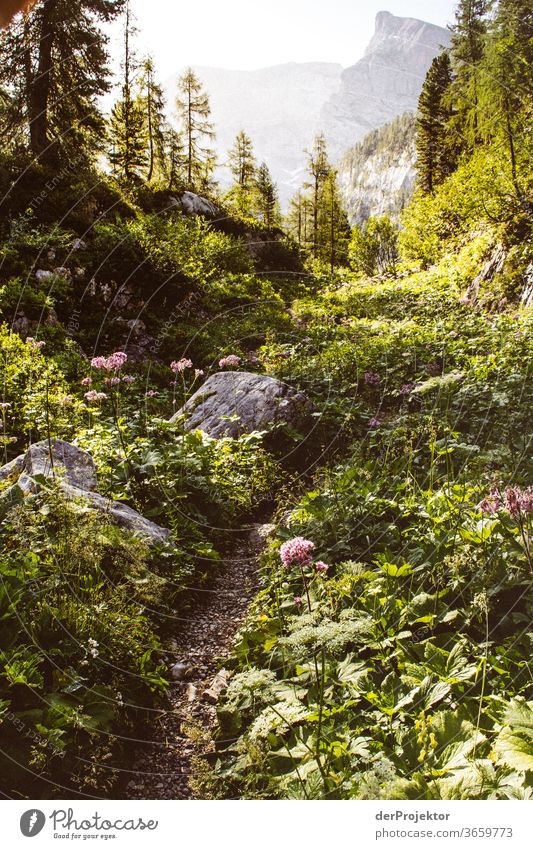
[233, 403]
[193, 204]
[75, 473]
[61, 459]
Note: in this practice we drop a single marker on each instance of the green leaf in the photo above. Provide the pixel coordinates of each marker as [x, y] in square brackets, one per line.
[514, 744]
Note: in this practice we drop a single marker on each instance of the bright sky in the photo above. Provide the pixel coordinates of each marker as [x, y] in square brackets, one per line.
[247, 34]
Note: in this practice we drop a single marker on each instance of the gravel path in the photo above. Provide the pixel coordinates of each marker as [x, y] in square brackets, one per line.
[162, 765]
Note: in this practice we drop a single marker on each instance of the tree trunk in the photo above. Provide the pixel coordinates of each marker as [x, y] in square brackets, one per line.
[40, 89]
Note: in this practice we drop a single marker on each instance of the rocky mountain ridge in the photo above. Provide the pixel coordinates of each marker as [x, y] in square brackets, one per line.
[377, 176]
[283, 107]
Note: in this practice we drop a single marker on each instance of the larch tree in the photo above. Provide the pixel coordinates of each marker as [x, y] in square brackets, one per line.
[318, 168]
[334, 228]
[153, 102]
[128, 126]
[435, 159]
[174, 162]
[467, 51]
[506, 98]
[195, 112]
[53, 69]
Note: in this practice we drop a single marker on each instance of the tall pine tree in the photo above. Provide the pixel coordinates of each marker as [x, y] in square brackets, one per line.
[467, 51]
[267, 203]
[153, 102]
[435, 159]
[334, 228]
[242, 164]
[318, 168]
[194, 111]
[506, 98]
[128, 128]
[53, 69]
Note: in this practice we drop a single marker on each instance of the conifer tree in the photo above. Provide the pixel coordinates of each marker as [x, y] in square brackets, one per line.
[467, 50]
[153, 103]
[267, 203]
[242, 164]
[128, 131]
[435, 159]
[298, 219]
[53, 69]
[506, 98]
[318, 169]
[194, 111]
[174, 161]
[334, 228]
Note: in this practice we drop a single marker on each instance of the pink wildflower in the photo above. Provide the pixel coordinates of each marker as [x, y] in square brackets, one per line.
[86, 381]
[179, 366]
[232, 360]
[99, 363]
[321, 567]
[374, 424]
[492, 503]
[152, 393]
[112, 363]
[112, 381]
[515, 501]
[298, 600]
[116, 361]
[372, 379]
[407, 388]
[33, 343]
[198, 372]
[95, 396]
[296, 552]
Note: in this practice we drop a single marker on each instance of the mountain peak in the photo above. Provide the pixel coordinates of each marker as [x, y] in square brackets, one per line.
[386, 82]
[391, 27]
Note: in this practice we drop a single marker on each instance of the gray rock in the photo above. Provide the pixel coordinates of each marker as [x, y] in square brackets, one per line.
[74, 466]
[63, 272]
[13, 468]
[193, 204]
[120, 514]
[218, 685]
[76, 475]
[378, 175]
[526, 299]
[43, 276]
[180, 671]
[233, 403]
[494, 265]
[21, 324]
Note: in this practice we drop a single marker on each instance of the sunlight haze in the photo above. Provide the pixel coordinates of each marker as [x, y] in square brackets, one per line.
[236, 34]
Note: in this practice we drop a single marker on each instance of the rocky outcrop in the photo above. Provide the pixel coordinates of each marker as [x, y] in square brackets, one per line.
[377, 176]
[75, 473]
[74, 466]
[193, 204]
[494, 265]
[385, 83]
[526, 298]
[233, 403]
